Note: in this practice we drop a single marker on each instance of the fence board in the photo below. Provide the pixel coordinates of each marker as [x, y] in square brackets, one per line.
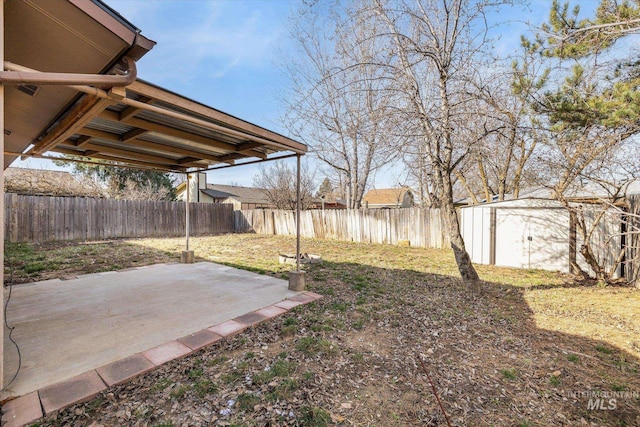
[40, 219]
[422, 227]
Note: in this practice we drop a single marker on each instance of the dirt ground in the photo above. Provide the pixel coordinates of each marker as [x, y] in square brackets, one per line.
[533, 349]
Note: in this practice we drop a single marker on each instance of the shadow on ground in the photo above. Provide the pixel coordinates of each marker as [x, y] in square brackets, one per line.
[352, 359]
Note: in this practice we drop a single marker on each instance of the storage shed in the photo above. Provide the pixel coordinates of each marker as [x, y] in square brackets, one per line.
[538, 234]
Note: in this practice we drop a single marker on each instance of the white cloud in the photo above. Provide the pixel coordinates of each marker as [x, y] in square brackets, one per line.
[203, 39]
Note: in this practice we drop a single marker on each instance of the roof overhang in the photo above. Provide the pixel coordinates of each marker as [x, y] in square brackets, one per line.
[140, 125]
[153, 128]
[63, 36]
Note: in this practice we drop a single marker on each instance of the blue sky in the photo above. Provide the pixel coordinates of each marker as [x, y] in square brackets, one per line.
[224, 54]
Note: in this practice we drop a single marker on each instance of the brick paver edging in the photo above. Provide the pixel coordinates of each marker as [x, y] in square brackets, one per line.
[29, 408]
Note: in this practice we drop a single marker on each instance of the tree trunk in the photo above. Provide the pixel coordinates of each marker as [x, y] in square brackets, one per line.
[466, 269]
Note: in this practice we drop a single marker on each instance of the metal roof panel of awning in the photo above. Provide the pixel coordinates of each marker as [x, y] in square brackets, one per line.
[163, 131]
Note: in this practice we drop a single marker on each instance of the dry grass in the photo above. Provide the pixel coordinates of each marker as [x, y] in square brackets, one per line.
[507, 357]
[611, 314]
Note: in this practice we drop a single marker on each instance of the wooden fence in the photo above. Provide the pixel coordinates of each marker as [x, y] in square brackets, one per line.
[41, 219]
[422, 227]
[632, 243]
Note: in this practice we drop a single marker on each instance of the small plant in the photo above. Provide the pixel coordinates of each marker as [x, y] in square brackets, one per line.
[573, 358]
[204, 387]
[311, 346]
[339, 306]
[242, 366]
[231, 377]
[217, 361]
[94, 405]
[247, 401]
[509, 374]
[285, 389]
[179, 391]
[603, 349]
[290, 321]
[281, 368]
[554, 380]
[161, 384]
[195, 373]
[249, 355]
[313, 416]
[358, 357]
[618, 387]
[289, 330]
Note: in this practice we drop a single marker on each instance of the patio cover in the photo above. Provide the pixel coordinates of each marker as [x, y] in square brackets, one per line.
[69, 86]
[141, 124]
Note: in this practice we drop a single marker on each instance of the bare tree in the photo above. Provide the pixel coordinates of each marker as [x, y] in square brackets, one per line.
[434, 48]
[338, 104]
[512, 134]
[278, 182]
[134, 190]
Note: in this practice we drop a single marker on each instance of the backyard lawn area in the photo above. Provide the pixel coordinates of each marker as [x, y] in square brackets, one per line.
[530, 350]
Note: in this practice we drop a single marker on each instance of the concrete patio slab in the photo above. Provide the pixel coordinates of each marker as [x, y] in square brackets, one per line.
[125, 369]
[75, 390]
[200, 339]
[66, 328]
[23, 410]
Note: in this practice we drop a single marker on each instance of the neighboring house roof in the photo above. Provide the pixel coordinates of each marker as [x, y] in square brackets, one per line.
[217, 194]
[481, 199]
[587, 191]
[576, 193]
[38, 182]
[386, 196]
[331, 198]
[242, 194]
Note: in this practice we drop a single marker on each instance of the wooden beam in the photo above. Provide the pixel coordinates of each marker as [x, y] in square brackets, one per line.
[81, 114]
[187, 160]
[95, 133]
[170, 98]
[125, 153]
[71, 152]
[133, 134]
[232, 156]
[214, 144]
[84, 139]
[148, 144]
[246, 147]
[249, 148]
[129, 112]
[131, 154]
